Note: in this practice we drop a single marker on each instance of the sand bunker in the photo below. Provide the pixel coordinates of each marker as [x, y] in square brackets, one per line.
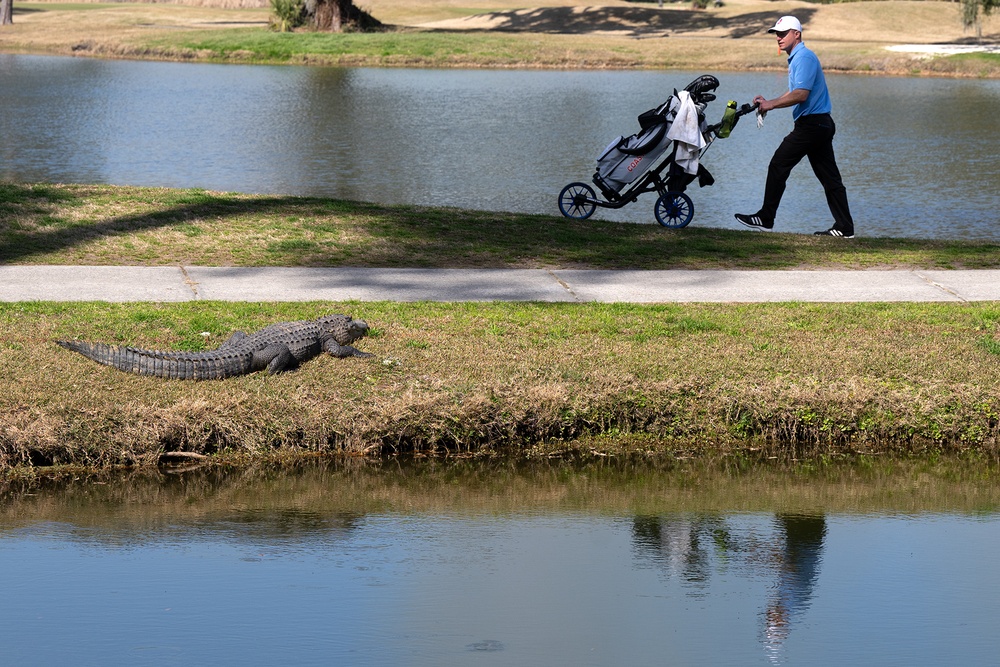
[930, 50]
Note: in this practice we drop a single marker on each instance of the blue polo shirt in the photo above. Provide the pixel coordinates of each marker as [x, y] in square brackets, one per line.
[804, 71]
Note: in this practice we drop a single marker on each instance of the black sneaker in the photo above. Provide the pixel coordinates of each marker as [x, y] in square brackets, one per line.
[755, 221]
[834, 232]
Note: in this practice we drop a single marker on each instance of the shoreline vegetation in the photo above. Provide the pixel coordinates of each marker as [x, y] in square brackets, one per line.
[675, 382]
[850, 37]
[678, 382]
[355, 486]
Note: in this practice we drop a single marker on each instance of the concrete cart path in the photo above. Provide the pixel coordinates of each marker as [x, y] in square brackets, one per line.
[132, 283]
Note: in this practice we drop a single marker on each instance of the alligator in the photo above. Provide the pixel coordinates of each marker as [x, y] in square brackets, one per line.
[278, 348]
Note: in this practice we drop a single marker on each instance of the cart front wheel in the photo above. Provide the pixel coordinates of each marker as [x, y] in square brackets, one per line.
[577, 201]
[674, 210]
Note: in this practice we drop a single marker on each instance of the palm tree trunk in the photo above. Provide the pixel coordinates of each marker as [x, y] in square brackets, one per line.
[330, 15]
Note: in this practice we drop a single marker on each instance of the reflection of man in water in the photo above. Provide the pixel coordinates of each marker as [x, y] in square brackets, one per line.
[798, 567]
[682, 544]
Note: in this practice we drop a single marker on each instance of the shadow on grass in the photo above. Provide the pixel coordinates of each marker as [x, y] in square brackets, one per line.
[418, 237]
[51, 235]
[637, 21]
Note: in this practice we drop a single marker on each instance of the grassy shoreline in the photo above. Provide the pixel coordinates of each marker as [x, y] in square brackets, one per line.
[764, 380]
[788, 381]
[618, 35]
[110, 225]
[679, 381]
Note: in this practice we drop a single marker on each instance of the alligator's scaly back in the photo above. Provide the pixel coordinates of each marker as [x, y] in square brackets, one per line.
[277, 348]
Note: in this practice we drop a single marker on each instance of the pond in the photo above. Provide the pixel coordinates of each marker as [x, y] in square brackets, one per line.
[464, 563]
[919, 156]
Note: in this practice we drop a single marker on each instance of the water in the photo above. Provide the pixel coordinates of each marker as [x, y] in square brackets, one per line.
[489, 563]
[919, 156]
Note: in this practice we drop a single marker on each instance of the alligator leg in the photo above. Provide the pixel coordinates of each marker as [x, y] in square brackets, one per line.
[334, 348]
[276, 358]
[233, 340]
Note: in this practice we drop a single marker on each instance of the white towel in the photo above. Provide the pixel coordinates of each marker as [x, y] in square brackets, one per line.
[686, 131]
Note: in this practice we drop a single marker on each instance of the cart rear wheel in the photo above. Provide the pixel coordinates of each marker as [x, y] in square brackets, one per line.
[674, 210]
[577, 201]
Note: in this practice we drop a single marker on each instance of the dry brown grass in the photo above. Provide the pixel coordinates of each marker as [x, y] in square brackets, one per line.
[784, 380]
[67, 29]
[849, 36]
[898, 21]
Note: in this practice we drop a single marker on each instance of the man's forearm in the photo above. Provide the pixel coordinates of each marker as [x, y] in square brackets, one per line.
[789, 99]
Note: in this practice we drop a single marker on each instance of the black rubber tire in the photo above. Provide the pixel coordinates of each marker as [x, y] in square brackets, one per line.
[674, 210]
[576, 201]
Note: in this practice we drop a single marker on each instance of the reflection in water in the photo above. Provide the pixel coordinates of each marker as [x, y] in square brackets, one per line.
[359, 562]
[683, 546]
[799, 552]
[692, 548]
[485, 139]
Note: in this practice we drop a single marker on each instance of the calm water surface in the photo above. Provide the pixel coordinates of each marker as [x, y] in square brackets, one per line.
[487, 564]
[920, 156]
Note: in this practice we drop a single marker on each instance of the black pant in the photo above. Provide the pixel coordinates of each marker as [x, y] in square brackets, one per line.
[812, 138]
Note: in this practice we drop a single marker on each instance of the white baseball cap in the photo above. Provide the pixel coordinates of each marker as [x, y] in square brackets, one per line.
[786, 23]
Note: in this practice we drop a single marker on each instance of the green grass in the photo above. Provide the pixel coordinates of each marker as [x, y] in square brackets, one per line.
[621, 37]
[985, 65]
[399, 48]
[989, 58]
[96, 224]
[787, 380]
[64, 6]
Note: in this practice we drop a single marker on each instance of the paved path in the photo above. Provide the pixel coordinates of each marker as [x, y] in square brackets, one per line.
[115, 283]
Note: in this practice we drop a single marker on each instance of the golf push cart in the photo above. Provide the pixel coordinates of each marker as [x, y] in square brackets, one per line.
[663, 157]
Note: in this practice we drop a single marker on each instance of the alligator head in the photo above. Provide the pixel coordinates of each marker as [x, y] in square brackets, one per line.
[344, 329]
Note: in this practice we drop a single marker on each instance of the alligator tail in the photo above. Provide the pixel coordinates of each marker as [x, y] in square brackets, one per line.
[169, 365]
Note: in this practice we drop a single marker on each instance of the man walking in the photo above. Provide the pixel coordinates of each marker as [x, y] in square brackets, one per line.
[812, 136]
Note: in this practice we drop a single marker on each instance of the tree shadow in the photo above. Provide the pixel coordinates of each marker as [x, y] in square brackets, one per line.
[39, 202]
[422, 237]
[634, 21]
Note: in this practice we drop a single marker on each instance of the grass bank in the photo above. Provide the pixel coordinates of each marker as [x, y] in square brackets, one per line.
[677, 381]
[850, 37]
[110, 225]
[781, 380]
